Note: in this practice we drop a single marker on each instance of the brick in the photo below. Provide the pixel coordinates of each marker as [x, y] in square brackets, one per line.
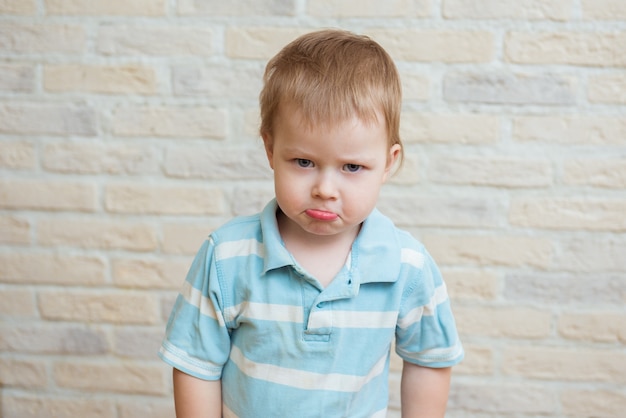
[237, 8]
[29, 374]
[218, 81]
[589, 254]
[579, 129]
[126, 378]
[252, 122]
[120, 40]
[570, 48]
[150, 274]
[126, 79]
[587, 403]
[14, 230]
[17, 78]
[192, 122]
[48, 119]
[443, 211]
[184, 238]
[605, 327]
[167, 304]
[173, 200]
[565, 213]
[394, 410]
[478, 361]
[18, 7]
[17, 155]
[559, 10]
[395, 384]
[42, 38]
[50, 195]
[603, 10]
[216, 164]
[369, 8]
[466, 284]
[436, 45]
[51, 338]
[508, 399]
[14, 406]
[565, 364]
[250, 200]
[395, 361]
[16, 302]
[137, 342]
[111, 307]
[515, 322]
[97, 233]
[415, 86]
[607, 88]
[409, 172]
[97, 158]
[449, 128]
[598, 172]
[147, 408]
[106, 7]
[258, 43]
[600, 290]
[498, 171]
[45, 268]
[501, 87]
[481, 250]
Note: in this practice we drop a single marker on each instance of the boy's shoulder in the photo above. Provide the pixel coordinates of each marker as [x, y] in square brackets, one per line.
[260, 226]
[385, 227]
[238, 228]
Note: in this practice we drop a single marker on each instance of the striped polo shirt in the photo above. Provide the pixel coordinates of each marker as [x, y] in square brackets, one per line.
[283, 345]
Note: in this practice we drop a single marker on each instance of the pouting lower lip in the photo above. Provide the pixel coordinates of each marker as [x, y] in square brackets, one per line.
[321, 215]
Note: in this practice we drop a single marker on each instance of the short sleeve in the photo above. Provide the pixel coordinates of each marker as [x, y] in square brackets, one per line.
[426, 332]
[196, 340]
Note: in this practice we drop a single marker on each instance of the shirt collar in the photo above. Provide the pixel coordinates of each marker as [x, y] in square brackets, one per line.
[376, 250]
[276, 254]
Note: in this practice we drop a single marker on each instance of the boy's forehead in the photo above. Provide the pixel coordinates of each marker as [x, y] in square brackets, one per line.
[307, 119]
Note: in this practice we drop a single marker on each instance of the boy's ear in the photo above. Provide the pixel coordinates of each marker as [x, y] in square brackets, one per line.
[269, 149]
[394, 154]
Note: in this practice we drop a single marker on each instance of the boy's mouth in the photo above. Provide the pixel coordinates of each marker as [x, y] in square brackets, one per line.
[321, 215]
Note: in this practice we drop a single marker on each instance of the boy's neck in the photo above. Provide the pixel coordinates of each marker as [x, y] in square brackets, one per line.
[322, 256]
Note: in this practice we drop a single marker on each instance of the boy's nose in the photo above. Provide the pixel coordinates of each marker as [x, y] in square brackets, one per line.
[325, 187]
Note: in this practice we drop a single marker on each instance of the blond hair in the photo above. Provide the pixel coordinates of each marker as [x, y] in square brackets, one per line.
[330, 76]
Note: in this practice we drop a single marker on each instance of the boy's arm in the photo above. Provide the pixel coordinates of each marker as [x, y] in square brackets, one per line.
[197, 398]
[424, 391]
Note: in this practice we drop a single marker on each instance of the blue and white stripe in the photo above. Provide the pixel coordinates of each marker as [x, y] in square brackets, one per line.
[285, 346]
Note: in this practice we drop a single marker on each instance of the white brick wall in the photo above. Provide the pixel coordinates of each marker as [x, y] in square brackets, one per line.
[128, 132]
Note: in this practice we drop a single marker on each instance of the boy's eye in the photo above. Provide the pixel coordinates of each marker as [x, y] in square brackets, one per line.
[304, 163]
[352, 168]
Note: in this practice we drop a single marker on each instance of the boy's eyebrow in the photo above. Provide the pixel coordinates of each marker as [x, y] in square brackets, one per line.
[355, 157]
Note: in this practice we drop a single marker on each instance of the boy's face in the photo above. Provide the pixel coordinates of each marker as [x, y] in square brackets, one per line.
[327, 178]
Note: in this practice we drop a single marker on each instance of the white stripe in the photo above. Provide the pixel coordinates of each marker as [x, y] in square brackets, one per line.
[415, 315]
[265, 312]
[303, 379]
[412, 257]
[195, 297]
[179, 357]
[380, 414]
[352, 319]
[435, 355]
[227, 412]
[241, 248]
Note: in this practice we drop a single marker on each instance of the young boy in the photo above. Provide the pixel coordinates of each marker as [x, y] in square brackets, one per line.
[292, 312]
